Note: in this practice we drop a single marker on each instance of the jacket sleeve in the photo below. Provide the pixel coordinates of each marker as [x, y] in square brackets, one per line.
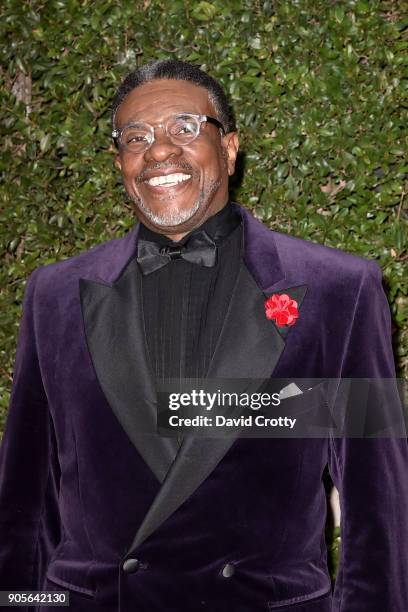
[371, 476]
[29, 471]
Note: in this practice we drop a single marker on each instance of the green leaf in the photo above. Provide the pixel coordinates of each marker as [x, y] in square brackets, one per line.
[204, 11]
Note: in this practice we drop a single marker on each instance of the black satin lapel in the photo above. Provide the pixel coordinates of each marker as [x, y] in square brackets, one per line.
[116, 340]
[249, 345]
[249, 348]
[195, 461]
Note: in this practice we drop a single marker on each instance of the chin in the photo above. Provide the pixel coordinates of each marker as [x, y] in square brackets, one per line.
[171, 218]
[176, 219]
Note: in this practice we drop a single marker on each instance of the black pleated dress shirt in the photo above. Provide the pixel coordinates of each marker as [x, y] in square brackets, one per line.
[185, 304]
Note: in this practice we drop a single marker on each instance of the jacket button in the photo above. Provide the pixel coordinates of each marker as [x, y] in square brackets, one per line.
[131, 565]
[228, 570]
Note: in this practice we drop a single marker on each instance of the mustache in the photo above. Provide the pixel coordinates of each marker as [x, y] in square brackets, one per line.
[177, 165]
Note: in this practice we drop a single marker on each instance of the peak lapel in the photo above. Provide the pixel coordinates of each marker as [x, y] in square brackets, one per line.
[113, 322]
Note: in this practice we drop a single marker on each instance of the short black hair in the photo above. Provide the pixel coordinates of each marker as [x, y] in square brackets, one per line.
[182, 71]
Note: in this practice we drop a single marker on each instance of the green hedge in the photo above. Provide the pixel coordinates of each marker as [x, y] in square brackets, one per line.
[317, 88]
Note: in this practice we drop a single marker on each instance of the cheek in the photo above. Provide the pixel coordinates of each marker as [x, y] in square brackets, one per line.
[214, 163]
[131, 168]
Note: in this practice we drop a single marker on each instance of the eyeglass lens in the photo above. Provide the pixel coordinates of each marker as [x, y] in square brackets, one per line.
[180, 129]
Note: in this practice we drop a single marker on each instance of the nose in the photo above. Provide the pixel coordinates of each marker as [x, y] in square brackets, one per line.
[162, 148]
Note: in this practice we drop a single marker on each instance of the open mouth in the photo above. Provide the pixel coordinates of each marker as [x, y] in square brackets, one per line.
[168, 180]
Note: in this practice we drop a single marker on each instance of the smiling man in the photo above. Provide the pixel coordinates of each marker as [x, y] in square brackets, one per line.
[93, 501]
[176, 182]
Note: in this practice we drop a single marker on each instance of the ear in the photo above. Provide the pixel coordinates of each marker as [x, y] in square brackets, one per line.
[118, 163]
[230, 144]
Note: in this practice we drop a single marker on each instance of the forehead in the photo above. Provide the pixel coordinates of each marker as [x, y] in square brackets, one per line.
[154, 101]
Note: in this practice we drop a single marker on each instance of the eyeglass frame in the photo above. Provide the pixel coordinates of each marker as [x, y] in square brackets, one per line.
[116, 134]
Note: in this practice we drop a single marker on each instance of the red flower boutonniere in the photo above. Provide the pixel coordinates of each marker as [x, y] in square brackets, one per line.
[281, 309]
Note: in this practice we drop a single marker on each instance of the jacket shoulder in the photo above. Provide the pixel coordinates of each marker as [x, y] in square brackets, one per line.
[303, 260]
[316, 261]
[101, 262]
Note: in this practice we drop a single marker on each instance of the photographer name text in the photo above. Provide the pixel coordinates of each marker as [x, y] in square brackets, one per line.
[222, 421]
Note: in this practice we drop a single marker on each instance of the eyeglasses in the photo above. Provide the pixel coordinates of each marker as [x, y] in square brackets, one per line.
[180, 129]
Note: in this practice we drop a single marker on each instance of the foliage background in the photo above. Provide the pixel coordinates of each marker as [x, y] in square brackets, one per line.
[318, 88]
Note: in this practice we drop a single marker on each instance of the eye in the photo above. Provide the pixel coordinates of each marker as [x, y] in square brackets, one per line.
[185, 127]
[135, 137]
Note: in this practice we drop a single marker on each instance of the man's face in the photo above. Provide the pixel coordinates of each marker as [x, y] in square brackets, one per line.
[204, 164]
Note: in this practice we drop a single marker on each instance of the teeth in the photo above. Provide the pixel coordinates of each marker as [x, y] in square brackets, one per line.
[170, 179]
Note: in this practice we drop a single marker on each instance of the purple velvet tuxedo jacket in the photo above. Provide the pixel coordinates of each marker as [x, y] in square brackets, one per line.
[219, 525]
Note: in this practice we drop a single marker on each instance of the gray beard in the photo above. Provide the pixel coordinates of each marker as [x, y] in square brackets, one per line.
[175, 217]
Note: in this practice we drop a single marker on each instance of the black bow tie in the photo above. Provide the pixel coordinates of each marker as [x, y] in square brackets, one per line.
[199, 249]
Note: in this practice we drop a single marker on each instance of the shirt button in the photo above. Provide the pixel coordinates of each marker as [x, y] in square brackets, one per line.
[228, 570]
[131, 565]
